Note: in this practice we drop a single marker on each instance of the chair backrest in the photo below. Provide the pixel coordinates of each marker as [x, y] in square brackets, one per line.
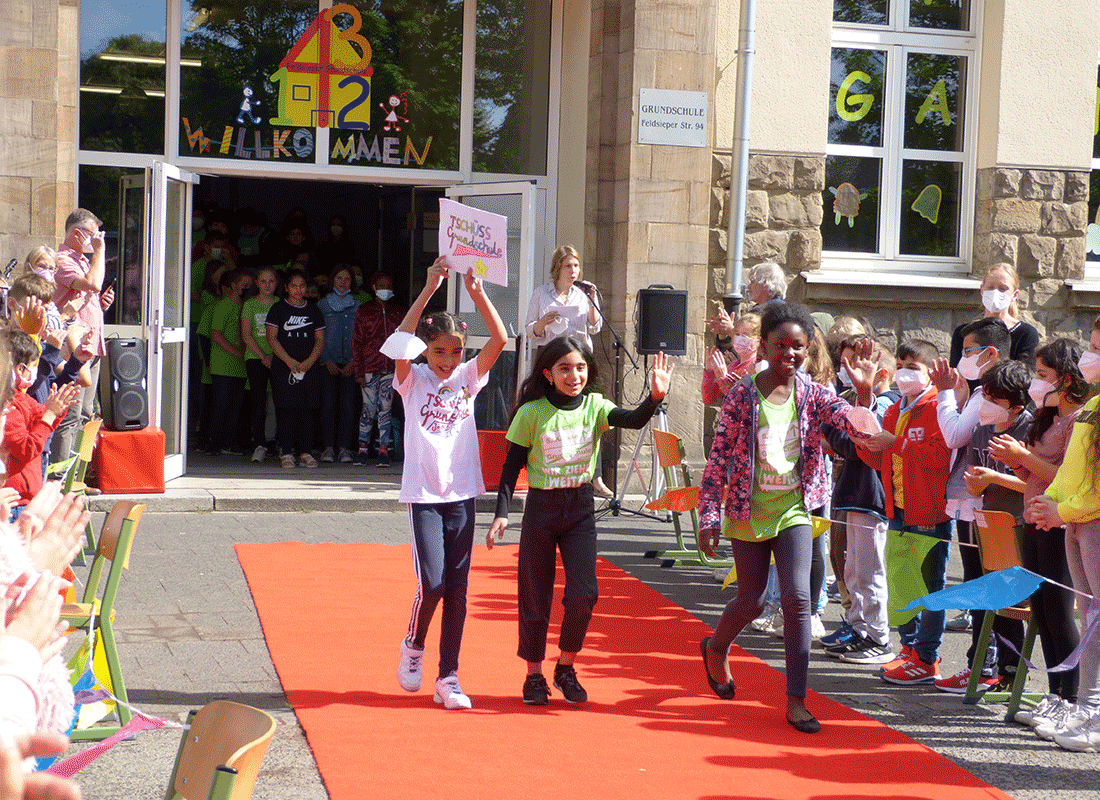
[997, 540]
[222, 734]
[669, 451]
[115, 543]
[84, 446]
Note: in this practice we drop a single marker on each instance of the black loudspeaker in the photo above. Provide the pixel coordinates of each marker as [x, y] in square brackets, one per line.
[129, 396]
[662, 321]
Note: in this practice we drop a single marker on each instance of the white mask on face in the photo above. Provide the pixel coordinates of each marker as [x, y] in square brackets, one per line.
[969, 368]
[86, 238]
[1042, 393]
[1089, 364]
[910, 382]
[989, 413]
[384, 294]
[996, 301]
[43, 273]
[744, 346]
[845, 378]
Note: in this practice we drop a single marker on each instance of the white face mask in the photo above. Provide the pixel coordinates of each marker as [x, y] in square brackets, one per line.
[744, 347]
[1042, 393]
[968, 366]
[989, 413]
[384, 294]
[996, 301]
[845, 378]
[910, 382]
[1089, 364]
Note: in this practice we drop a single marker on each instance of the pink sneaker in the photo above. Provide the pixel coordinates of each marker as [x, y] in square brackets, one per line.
[913, 672]
[899, 659]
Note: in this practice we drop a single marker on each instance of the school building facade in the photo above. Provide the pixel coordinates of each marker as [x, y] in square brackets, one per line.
[897, 148]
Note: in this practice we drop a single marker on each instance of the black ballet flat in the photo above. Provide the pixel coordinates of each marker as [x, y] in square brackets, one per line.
[725, 691]
[810, 725]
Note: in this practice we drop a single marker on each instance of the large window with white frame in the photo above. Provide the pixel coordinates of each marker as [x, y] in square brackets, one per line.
[899, 171]
[1092, 236]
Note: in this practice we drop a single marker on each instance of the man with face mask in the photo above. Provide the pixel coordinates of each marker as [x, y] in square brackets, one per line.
[79, 279]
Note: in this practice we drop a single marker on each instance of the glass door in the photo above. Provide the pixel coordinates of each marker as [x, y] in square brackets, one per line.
[518, 202]
[167, 309]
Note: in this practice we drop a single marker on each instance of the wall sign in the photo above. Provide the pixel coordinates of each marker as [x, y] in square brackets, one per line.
[671, 117]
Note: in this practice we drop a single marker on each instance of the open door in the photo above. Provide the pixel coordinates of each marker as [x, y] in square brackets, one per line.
[520, 203]
[167, 307]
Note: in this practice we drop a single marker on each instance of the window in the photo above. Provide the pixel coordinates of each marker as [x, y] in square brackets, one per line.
[1092, 237]
[899, 175]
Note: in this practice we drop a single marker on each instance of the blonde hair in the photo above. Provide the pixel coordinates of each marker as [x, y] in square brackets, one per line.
[749, 322]
[37, 253]
[1009, 270]
[560, 255]
[819, 365]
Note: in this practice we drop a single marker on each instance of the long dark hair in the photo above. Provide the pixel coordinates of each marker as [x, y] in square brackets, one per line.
[536, 385]
[1061, 355]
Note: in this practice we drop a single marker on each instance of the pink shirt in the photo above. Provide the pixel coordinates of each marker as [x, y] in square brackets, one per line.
[71, 265]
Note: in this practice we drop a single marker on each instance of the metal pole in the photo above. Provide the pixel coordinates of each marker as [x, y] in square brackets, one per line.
[739, 167]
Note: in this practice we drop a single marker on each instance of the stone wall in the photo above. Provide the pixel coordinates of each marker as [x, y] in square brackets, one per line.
[39, 46]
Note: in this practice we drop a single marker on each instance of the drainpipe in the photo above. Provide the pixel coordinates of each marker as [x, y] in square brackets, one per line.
[739, 167]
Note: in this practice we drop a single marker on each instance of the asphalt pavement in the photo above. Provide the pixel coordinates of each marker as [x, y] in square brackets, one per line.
[188, 631]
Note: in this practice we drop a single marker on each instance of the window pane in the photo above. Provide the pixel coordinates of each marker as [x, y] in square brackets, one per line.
[1092, 237]
[930, 208]
[122, 76]
[512, 86]
[934, 102]
[1096, 120]
[851, 199]
[856, 96]
[117, 196]
[951, 15]
[864, 12]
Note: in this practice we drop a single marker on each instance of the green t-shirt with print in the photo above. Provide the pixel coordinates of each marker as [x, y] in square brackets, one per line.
[227, 320]
[255, 310]
[777, 482]
[562, 443]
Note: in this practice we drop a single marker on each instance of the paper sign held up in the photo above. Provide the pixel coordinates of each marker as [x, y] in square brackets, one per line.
[473, 239]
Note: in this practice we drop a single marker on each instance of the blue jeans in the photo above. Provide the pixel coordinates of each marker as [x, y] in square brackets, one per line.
[377, 402]
[924, 632]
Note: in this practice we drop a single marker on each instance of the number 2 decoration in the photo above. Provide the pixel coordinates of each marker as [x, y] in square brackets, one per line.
[323, 80]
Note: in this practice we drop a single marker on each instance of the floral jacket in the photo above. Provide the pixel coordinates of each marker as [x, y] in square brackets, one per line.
[731, 466]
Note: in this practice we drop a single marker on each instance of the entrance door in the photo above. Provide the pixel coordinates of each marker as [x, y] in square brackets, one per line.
[167, 304]
[519, 203]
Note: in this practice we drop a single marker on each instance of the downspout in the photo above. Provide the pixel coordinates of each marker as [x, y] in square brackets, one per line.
[739, 166]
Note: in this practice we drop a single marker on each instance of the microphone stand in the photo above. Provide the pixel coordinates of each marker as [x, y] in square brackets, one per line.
[615, 504]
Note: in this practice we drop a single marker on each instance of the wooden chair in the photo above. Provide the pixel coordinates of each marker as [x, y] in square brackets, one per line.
[999, 548]
[219, 757]
[681, 497]
[95, 612]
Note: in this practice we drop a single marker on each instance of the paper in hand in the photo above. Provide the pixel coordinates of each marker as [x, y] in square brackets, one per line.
[402, 346]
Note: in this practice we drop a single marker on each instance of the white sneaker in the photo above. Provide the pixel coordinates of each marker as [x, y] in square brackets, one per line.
[817, 627]
[326, 456]
[775, 624]
[1065, 718]
[1033, 716]
[409, 673]
[1085, 738]
[345, 456]
[764, 621]
[450, 694]
[260, 453]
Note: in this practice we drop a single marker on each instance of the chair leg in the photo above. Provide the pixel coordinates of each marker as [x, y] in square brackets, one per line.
[972, 696]
[1021, 671]
[114, 669]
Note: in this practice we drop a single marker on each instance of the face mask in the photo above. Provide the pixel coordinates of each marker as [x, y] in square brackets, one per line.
[1089, 364]
[996, 301]
[910, 382]
[384, 294]
[216, 253]
[744, 346]
[43, 273]
[1042, 393]
[87, 246]
[21, 383]
[989, 413]
[969, 368]
[845, 378]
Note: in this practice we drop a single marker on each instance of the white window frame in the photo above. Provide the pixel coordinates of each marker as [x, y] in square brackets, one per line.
[899, 41]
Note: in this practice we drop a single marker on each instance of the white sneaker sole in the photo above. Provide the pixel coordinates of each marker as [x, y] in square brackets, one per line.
[454, 702]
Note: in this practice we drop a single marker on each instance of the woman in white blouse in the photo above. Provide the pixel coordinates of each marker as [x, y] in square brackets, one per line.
[560, 308]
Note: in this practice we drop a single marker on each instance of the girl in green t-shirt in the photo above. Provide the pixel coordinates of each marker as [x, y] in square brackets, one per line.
[257, 357]
[555, 433]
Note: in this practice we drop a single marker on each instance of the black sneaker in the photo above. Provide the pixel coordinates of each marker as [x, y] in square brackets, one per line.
[535, 690]
[565, 681]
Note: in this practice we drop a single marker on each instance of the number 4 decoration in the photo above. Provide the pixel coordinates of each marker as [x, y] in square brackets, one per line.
[323, 80]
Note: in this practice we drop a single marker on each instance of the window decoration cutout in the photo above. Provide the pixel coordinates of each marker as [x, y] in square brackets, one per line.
[846, 202]
[928, 203]
[245, 114]
[1092, 235]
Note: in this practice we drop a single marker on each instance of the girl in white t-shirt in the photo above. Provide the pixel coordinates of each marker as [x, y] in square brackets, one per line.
[442, 474]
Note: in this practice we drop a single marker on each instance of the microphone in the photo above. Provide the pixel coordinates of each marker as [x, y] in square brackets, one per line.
[584, 286]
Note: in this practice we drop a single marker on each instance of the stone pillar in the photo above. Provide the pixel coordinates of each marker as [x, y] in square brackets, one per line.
[39, 75]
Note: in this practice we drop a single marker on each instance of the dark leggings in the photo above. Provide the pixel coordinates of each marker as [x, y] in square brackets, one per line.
[1044, 552]
[791, 547]
[259, 377]
[998, 660]
[294, 425]
[817, 573]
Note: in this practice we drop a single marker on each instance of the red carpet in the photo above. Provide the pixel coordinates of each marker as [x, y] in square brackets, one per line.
[334, 615]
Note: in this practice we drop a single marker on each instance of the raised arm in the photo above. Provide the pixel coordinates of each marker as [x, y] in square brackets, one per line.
[437, 273]
[498, 336]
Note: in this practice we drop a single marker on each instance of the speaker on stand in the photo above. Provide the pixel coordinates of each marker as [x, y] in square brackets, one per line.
[662, 321]
[128, 399]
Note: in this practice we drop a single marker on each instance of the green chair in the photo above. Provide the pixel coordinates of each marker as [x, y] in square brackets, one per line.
[680, 498]
[999, 549]
[220, 755]
[95, 613]
[74, 469]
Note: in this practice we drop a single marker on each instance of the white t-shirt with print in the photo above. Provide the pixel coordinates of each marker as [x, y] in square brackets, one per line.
[442, 458]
